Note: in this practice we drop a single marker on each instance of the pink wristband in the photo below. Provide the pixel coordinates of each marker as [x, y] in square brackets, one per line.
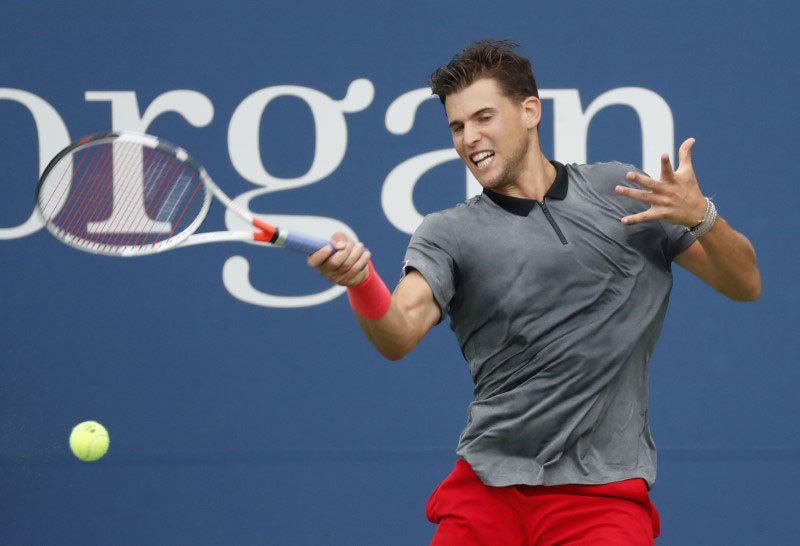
[370, 299]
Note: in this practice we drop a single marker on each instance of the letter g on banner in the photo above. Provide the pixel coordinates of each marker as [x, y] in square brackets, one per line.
[53, 136]
[245, 152]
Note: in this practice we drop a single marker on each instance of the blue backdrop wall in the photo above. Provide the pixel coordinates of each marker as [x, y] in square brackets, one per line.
[243, 403]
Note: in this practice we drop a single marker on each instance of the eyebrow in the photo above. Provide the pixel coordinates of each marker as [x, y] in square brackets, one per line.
[473, 116]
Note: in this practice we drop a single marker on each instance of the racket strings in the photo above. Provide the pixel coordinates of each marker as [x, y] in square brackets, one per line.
[162, 178]
[68, 216]
[135, 219]
[101, 204]
[131, 228]
[113, 196]
[185, 208]
[60, 185]
[103, 200]
[77, 207]
[95, 192]
[169, 183]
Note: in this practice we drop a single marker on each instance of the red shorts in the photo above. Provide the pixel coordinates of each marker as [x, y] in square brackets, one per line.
[470, 513]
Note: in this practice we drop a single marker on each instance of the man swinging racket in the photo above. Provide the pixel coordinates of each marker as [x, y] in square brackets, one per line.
[556, 280]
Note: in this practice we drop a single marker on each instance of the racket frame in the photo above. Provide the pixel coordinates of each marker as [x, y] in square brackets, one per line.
[265, 233]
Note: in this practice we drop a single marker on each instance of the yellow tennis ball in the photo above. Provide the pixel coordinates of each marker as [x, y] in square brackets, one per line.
[89, 440]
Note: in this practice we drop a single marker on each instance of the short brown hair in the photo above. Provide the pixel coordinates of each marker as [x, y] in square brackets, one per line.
[486, 59]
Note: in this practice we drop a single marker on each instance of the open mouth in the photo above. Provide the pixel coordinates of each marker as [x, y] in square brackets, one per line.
[482, 159]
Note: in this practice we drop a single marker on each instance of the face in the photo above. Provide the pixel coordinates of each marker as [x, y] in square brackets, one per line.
[491, 132]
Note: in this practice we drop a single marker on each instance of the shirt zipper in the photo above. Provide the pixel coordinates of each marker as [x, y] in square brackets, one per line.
[552, 221]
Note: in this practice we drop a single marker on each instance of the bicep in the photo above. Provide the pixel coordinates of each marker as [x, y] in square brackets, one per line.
[695, 260]
[414, 299]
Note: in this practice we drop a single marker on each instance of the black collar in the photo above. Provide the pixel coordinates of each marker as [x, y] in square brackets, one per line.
[523, 207]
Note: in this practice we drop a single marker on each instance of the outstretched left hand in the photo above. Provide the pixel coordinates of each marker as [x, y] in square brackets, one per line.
[675, 197]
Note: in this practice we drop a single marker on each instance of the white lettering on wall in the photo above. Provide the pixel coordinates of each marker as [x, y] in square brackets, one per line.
[569, 139]
[193, 106]
[128, 199]
[571, 123]
[244, 144]
[53, 137]
[245, 151]
[570, 130]
[397, 194]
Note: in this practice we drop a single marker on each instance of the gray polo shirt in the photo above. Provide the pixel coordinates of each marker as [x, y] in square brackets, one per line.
[556, 307]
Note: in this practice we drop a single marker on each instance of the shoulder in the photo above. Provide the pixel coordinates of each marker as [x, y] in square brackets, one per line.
[455, 215]
[447, 228]
[611, 170]
[601, 177]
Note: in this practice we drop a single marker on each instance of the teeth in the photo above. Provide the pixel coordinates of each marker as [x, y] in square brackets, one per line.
[479, 156]
[482, 159]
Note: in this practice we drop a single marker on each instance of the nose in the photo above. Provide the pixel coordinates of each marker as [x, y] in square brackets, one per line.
[471, 134]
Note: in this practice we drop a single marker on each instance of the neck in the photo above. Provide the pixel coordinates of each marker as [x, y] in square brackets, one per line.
[534, 179]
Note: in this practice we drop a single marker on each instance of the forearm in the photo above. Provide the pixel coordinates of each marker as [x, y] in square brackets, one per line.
[392, 334]
[394, 323]
[732, 262]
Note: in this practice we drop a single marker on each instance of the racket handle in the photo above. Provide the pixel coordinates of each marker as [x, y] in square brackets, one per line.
[301, 243]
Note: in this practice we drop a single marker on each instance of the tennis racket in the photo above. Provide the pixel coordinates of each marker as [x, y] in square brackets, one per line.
[128, 194]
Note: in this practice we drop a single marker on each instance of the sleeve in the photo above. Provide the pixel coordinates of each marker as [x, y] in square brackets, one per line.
[432, 252]
[678, 239]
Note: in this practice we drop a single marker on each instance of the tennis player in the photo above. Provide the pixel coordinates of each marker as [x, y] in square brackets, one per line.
[556, 281]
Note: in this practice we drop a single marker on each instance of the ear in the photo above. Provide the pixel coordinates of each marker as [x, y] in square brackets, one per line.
[532, 110]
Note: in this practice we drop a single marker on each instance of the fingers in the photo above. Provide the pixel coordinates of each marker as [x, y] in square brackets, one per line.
[339, 237]
[670, 196]
[639, 195]
[641, 180]
[666, 168]
[645, 216]
[317, 258]
[347, 266]
[685, 153]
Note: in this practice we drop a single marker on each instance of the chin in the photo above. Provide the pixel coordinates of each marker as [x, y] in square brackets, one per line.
[493, 183]
[486, 180]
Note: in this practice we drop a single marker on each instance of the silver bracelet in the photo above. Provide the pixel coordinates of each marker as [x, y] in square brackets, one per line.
[709, 217]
